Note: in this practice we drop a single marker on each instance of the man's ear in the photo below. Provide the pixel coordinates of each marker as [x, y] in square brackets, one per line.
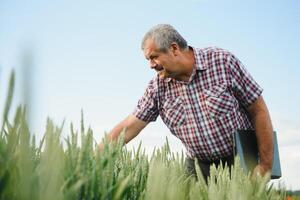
[174, 48]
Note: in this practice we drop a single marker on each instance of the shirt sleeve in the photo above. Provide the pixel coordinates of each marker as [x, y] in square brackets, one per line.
[147, 108]
[245, 88]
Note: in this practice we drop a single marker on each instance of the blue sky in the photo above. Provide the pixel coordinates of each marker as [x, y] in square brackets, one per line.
[86, 55]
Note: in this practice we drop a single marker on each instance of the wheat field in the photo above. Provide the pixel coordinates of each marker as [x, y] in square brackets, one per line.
[74, 168]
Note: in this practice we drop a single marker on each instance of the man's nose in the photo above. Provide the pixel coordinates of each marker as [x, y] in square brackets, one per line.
[152, 64]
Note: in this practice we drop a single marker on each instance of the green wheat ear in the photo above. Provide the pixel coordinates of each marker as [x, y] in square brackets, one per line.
[8, 101]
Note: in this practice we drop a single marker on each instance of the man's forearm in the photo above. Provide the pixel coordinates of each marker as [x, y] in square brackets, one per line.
[264, 133]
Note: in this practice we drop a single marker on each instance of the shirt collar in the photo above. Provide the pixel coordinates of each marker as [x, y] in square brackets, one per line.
[198, 55]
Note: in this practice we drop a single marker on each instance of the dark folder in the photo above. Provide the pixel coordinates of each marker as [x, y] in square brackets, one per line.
[246, 149]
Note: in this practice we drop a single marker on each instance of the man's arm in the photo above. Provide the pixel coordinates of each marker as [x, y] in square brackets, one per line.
[132, 125]
[264, 133]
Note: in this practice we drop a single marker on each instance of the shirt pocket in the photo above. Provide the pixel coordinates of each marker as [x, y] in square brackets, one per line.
[173, 112]
[218, 101]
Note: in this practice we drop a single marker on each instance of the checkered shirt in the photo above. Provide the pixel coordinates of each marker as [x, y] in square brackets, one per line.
[205, 111]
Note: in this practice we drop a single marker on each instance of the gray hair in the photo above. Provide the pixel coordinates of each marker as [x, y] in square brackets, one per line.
[164, 35]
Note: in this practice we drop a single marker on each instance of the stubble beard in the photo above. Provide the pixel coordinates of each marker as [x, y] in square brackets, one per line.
[167, 74]
[162, 74]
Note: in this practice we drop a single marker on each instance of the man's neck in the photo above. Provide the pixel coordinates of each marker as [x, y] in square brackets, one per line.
[188, 63]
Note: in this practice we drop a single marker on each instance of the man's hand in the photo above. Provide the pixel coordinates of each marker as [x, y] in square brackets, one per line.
[260, 170]
[132, 126]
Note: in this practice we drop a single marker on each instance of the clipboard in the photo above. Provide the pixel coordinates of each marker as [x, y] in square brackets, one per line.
[245, 146]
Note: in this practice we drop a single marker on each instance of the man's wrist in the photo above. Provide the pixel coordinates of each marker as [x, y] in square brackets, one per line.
[266, 166]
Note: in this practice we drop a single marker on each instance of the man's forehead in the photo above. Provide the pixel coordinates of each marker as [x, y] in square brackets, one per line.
[150, 48]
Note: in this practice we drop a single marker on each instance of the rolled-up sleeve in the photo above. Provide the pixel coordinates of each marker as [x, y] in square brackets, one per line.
[245, 88]
[147, 108]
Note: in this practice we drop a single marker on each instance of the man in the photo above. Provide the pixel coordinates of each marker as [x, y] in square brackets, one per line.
[203, 96]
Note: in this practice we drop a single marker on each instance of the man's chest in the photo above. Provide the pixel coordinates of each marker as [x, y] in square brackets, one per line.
[197, 102]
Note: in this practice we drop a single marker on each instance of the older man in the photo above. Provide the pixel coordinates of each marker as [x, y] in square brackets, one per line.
[203, 96]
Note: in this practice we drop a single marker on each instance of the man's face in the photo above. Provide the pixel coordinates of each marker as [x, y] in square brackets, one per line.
[162, 62]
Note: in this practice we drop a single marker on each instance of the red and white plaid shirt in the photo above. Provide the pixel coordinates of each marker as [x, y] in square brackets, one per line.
[205, 111]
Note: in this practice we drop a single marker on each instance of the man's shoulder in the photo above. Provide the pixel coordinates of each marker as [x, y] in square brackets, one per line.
[213, 56]
[208, 51]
